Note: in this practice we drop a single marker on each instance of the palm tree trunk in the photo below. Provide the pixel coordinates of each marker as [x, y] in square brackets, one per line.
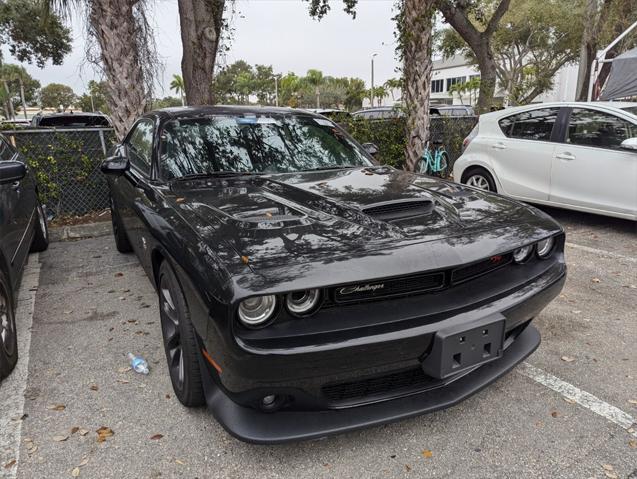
[201, 23]
[418, 17]
[113, 22]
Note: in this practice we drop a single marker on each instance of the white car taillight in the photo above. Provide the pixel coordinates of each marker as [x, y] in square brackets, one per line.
[469, 138]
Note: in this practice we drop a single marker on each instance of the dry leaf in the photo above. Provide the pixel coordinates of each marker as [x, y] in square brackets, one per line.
[75, 472]
[124, 369]
[607, 467]
[407, 468]
[633, 443]
[596, 280]
[74, 429]
[9, 464]
[427, 453]
[179, 462]
[104, 432]
[568, 359]
[84, 462]
[569, 400]
[93, 387]
[554, 414]
[32, 449]
[60, 438]
[119, 274]
[123, 381]
[156, 436]
[56, 407]
[632, 401]
[611, 475]
[83, 432]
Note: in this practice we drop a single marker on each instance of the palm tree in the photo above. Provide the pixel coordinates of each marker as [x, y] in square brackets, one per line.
[125, 51]
[177, 84]
[315, 78]
[393, 84]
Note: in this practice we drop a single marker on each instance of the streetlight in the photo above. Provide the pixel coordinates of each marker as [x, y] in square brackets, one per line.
[371, 95]
[276, 90]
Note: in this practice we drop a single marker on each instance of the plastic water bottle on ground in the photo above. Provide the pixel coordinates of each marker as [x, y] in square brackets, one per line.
[138, 364]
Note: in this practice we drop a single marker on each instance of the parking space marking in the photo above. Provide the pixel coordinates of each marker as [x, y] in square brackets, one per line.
[601, 252]
[13, 387]
[582, 398]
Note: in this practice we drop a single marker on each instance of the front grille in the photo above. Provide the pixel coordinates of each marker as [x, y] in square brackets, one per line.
[405, 381]
[478, 269]
[390, 287]
[396, 210]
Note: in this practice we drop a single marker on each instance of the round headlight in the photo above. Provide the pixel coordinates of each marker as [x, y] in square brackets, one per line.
[545, 247]
[257, 310]
[303, 302]
[521, 254]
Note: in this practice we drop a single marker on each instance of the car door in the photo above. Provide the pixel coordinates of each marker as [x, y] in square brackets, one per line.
[132, 187]
[17, 205]
[522, 156]
[590, 168]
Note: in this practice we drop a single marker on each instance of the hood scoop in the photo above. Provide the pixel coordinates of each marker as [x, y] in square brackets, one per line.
[399, 209]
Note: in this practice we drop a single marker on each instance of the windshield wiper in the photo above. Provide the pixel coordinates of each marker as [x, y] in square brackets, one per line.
[335, 167]
[217, 174]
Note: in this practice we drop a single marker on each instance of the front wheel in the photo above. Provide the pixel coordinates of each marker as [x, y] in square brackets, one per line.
[8, 335]
[180, 343]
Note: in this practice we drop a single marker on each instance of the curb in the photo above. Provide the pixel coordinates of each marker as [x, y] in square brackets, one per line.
[76, 232]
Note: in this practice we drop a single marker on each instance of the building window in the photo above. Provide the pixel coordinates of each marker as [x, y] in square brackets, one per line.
[437, 86]
[471, 77]
[454, 80]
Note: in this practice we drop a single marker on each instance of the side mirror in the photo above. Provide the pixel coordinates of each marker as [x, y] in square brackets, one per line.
[629, 144]
[370, 148]
[116, 163]
[11, 171]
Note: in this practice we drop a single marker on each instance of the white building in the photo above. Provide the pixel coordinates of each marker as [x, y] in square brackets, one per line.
[457, 69]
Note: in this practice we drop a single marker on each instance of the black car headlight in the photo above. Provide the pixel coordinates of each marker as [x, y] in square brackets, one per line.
[303, 302]
[520, 255]
[257, 310]
[545, 247]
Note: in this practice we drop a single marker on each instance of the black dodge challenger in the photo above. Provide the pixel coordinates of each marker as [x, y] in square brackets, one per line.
[306, 291]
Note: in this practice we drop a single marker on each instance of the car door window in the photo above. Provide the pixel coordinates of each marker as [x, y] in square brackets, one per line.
[140, 143]
[599, 129]
[530, 125]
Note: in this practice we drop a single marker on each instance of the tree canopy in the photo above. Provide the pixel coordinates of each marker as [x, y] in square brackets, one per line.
[56, 95]
[95, 99]
[31, 34]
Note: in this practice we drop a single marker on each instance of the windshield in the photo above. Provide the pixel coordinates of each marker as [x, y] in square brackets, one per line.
[631, 109]
[255, 144]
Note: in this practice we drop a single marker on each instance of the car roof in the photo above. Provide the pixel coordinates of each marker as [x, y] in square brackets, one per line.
[207, 110]
[71, 113]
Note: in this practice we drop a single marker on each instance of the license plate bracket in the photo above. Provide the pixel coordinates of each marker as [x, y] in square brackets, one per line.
[462, 347]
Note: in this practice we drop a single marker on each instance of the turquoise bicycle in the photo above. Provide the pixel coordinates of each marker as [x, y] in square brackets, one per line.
[434, 163]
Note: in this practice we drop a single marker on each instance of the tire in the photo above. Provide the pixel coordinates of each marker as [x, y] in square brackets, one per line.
[479, 178]
[119, 233]
[41, 236]
[180, 343]
[8, 334]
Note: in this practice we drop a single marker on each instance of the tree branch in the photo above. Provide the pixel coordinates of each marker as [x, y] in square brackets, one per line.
[497, 16]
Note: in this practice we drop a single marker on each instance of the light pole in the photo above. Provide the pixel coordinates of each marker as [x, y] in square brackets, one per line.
[371, 94]
[276, 90]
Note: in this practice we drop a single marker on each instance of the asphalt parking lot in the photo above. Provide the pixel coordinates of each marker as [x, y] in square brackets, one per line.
[569, 411]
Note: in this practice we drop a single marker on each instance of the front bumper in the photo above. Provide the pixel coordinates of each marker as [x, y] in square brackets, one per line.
[254, 426]
[305, 376]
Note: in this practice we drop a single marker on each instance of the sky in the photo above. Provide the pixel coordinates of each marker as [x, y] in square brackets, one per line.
[271, 32]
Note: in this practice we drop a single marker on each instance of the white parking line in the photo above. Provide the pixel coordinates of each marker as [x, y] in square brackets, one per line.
[601, 252]
[582, 398]
[12, 389]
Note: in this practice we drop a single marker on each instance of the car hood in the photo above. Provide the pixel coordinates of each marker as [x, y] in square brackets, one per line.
[307, 216]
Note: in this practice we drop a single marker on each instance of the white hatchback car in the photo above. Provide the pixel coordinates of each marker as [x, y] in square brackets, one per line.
[574, 155]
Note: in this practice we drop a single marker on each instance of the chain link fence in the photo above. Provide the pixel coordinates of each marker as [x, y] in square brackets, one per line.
[66, 164]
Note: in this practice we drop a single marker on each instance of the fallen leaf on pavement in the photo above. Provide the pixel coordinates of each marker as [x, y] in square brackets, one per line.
[427, 453]
[119, 274]
[633, 443]
[94, 387]
[632, 401]
[123, 381]
[554, 414]
[56, 407]
[611, 475]
[83, 432]
[596, 280]
[104, 432]
[407, 468]
[32, 449]
[568, 359]
[83, 463]
[75, 472]
[156, 436]
[182, 463]
[10, 464]
[124, 369]
[60, 438]
[607, 467]
[569, 400]
[74, 429]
